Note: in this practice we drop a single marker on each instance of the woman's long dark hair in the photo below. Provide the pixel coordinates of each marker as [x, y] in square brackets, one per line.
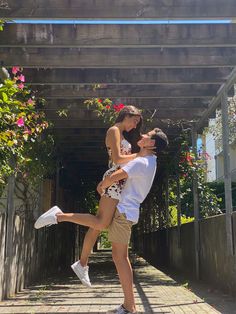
[134, 135]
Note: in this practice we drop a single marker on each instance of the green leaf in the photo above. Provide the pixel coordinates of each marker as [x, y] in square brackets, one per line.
[4, 97]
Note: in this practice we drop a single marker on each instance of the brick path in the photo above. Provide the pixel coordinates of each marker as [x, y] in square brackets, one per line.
[155, 293]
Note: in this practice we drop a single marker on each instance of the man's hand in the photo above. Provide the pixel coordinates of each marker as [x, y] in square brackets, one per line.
[100, 190]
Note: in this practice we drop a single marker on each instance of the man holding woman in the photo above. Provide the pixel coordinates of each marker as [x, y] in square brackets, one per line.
[123, 189]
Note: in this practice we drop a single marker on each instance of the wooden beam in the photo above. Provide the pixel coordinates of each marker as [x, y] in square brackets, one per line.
[86, 155]
[85, 136]
[179, 208]
[143, 103]
[62, 130]
[172, 114]
[64, 123]
[196, 209]
[131, 91]
[93, 124]
[89, 143]
[118, 58]
[122, 9]
[126, 76]
[119, 36]
[77, 142]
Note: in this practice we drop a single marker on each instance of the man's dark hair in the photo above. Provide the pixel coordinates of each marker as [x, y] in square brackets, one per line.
[161, 140]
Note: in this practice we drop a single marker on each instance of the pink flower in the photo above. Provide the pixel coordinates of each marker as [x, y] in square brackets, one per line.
[20, 122]
[27, 131]
[21, 86]
[21, 78]
[15, 70]
[108, 106]
[30, 101]
[121, 106]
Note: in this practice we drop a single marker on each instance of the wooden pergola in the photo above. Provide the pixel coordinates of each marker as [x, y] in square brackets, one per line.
[183, 71]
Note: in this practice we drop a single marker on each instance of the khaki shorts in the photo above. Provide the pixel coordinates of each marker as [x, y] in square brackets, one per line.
[119, 230]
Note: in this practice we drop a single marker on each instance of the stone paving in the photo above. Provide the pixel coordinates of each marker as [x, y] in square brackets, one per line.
[155, 292]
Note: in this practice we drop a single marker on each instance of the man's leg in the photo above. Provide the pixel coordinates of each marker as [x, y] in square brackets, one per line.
[124, 269]
[119, 232]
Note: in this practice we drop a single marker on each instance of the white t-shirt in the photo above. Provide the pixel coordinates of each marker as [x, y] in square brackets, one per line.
[141, 172]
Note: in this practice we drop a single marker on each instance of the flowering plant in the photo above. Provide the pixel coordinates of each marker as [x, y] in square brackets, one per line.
[188, 166]
[21, 124]
[104, 109]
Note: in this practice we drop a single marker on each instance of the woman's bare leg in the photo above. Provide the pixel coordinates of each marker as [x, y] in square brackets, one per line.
[96, 223]
[89, 241]
[99, 222]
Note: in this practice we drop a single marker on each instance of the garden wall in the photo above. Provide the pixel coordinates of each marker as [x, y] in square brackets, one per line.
[162, 249]
[32, 254]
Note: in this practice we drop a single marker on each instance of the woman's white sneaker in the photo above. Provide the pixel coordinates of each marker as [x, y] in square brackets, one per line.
[48, 218]
[82, 273]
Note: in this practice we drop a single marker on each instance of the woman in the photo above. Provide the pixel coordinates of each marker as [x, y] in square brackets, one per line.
[127, 126]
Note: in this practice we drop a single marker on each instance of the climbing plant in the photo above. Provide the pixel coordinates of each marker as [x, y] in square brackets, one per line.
[108, 111]
[24, 148]
[186, 166]
[178, 167]
[104, 109]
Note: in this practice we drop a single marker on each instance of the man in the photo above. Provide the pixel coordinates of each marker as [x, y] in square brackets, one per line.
[139, 174]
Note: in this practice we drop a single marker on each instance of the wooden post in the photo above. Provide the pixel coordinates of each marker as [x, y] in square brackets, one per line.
[9, 235]
[196, 209]
[178, 211]
[57, 182]
[227, 173]
[167, 214]
[167, 201]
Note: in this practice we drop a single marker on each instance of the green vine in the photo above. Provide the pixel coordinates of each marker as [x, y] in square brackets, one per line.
[22, 138]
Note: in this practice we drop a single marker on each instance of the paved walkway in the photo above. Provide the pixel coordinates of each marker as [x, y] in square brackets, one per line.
[155, 293]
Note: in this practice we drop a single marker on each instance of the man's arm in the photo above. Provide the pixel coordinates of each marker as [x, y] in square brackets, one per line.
[109, 180]
[134, 168]
[114, 177]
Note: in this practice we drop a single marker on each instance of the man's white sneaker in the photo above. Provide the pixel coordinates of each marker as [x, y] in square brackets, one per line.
[48, 218]
[120, 310]
[82, 273]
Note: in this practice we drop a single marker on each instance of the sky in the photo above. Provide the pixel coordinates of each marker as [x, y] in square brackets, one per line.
[122, 22]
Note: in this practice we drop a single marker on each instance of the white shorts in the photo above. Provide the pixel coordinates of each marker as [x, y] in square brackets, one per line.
[114, 191]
